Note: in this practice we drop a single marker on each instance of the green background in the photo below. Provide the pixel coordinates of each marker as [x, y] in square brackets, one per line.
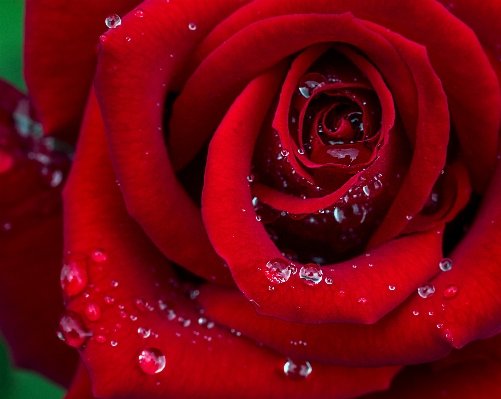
[16, 383]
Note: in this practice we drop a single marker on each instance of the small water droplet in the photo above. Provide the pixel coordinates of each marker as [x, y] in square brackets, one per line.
[415, 312]
[440, 325]
[250, 178]
[71, 330]
[300, 151]
[109, 300]
[152, 360]
[341, 293]
[139, 13]
[258, 218]
[445, 264]
[448, 335]
[114, 283]
[92, 311]
[426, 290]
[113, 343]
[192, 26]
[451, 291]
[297, 370]
[362, 300]
[73, 276]
[101, 339]
[284, 152]
[391, 287]
[128, 38]
[431, 313]
[112, 21]
[271, 288]
[144, 332]
[311, 274]
[409, 217]
[278, 271]
[98, 255]
[329, 280]
[133, 317]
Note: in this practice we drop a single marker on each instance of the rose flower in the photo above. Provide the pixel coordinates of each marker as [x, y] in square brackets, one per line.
[268, 199]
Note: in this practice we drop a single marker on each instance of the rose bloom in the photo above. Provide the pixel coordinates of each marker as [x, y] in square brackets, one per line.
[267, 199]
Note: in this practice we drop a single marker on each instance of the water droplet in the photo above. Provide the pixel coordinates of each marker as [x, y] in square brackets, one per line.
[451, 291]
[250, 178]
[258, 218]
[409, 217]
[139, 13]
[192, 26]
[114, 283]
[71, 330]
[431, 313]
[113, 343]
[300, 151]
[73, 276]
[271, 288]
[109, 300]
[445, 264]
[448, 335]
[112, 21]
[440, 325]
[152, 361]
[297, 370]
[391, 287]
[6, 226]
[415, 312]
[284, 152]
[128, 38]
[341, 293]
[311, 274]
[362, 300]
[144, 332]
[92, 311]
[166, 309]
[101, 339]
[329, 280]
[278, 271]
[98, 255]
[426, 290]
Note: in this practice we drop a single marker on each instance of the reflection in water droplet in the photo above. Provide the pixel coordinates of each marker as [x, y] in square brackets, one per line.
[73, 276]
[92, 311]
[112, 21]
[426, 290]
[451, 291]
[144, 332]
[329, 280]
[297, 370]
[71, 330]
[311, 274]
[278, 271]
[445, 264]
[152, 361]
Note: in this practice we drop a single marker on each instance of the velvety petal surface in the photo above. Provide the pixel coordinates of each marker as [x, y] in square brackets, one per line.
[60, 52]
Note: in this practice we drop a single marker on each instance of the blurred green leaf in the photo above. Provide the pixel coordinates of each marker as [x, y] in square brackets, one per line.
[11, 38]
[20, 384]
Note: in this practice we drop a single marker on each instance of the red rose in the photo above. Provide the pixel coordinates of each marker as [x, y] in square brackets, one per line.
[271, 198]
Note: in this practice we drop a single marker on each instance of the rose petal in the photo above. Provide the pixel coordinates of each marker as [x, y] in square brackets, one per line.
[60, 48]
[81, 387]
[96, 217]
[133, 117]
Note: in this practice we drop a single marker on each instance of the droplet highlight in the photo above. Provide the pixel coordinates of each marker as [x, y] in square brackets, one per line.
[297, 370]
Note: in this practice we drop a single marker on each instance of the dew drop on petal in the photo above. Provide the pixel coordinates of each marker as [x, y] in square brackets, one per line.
[362, 300]
[284, 152]
[278, 271]
[113, 343]
[451, 291]
[445, 264]
[329, 280]
[71, 330]
[152, 360]
[98, 255]
[144, 332]
[192, 26]
[101, 339]
[297, 370]
[426, 290]
[73, 276]
[448, 335]
[112, 21]
[92, 311]
[311, 274]
[109, 300]
[250, 178]
[415, 312]
[139, 13]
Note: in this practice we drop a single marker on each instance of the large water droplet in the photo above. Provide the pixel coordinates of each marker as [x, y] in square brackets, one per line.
[112, 21]
[92, 311]
[297, 370]
[152, 361]
[71, 330]
[445, 264]
[278, 271]
[73, 276]
[451, 291]
[311, 274]
[426, 290]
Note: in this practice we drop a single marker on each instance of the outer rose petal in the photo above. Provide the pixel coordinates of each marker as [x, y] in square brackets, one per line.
[132, 81]
[60, 57]
[30, 256]
[81, 387]
[200, 362]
